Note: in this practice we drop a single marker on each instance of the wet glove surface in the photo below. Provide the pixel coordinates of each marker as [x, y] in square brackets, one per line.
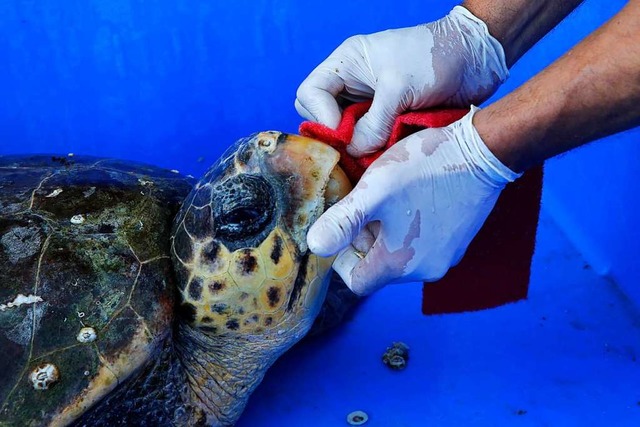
[495, 269]
[452, 62]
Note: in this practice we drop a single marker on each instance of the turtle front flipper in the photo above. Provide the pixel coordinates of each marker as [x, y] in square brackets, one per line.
[250, 288]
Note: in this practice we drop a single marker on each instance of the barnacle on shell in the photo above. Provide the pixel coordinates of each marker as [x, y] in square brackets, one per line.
[44, 376]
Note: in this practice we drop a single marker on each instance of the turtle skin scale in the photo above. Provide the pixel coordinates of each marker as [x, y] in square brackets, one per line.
[189, 290]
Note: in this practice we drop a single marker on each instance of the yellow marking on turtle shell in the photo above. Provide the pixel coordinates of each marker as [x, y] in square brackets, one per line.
[109, 375]
[102, 384]
[137, 353]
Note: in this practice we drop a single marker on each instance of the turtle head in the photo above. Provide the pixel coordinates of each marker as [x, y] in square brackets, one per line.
[249, 287]
[239, 241]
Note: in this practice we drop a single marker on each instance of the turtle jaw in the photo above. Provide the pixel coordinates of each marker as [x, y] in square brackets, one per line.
[317, 181]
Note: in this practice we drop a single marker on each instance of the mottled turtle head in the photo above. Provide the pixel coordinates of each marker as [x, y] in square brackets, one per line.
[239, 241]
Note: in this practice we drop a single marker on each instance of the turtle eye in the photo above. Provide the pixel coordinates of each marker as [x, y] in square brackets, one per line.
[244, 210]
[242, 220]
[243, 216]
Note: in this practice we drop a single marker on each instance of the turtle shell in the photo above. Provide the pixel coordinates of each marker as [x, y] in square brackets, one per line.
[86, 283]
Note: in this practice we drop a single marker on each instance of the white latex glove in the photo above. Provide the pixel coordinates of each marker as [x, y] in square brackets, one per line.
[424, 199]
[453, 61]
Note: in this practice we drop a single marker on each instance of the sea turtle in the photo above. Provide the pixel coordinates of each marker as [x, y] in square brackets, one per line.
[132, 295]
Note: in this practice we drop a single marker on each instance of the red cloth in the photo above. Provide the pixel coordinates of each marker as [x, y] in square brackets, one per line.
[495, 270]
[405, 125]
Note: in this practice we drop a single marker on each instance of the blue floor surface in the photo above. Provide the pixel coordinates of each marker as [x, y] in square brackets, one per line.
[568, 356]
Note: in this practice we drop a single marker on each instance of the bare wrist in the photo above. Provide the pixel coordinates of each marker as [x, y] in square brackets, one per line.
[494, 134]
[519, 24]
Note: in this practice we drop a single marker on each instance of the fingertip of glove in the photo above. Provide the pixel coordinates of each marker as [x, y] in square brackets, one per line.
[303, 112]
[324, 113]
[318, 241]
[364, 142]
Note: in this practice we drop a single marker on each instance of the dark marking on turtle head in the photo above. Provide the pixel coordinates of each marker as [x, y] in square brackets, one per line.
[195, 289]
[232, 324]
[276, 250]
[216, 287]
[210, 252]
[247, 262]
[301, 281]
[273, 295]
[219, 307]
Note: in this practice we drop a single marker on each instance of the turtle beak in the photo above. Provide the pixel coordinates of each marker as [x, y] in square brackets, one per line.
[315, 179]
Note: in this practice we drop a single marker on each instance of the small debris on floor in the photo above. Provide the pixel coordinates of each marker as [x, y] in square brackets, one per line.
[396, 356]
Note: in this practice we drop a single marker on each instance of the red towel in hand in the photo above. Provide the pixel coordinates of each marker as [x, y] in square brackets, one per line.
[495, 269]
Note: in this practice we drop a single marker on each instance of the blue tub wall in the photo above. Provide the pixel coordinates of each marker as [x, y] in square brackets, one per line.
[593, 193]
[173, 83]
[164, 82]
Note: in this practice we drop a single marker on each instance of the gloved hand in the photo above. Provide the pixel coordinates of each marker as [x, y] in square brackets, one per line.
[424, 200]
[453, 61]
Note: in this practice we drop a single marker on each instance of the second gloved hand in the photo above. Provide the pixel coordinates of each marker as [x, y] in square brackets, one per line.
[453, 61]
[415, 210]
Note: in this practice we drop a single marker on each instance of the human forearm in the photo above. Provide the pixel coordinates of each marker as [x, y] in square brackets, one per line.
[590, 92]
[519, 24]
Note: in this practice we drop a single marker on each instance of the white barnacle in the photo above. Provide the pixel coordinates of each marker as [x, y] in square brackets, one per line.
[77, 219]
[87, 334]
[357, 418]
[54, 193]
[44, 376]
[265, 142]
[175, 171]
